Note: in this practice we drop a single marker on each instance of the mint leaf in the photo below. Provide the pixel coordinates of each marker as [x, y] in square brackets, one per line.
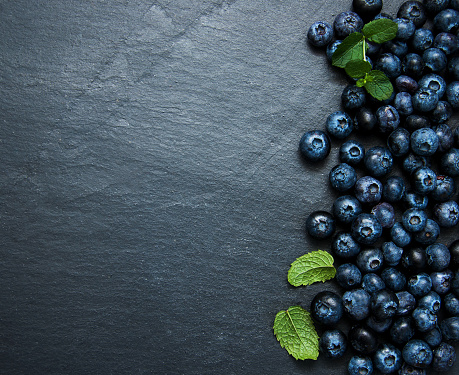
[310, 268]
[380, 31]
[357, 68]
[378, 85]
[294, 329]
[350, 49]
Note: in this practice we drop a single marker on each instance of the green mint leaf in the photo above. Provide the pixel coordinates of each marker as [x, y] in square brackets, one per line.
[380, 31]
[294, 329]
[378, 85]
[350, 49]
[310, 268]
[357, 68]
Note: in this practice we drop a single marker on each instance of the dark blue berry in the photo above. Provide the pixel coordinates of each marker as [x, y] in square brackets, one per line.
[356, 304]
[348, 276]
[451, 303]
[433, 337]
[315, 145]
[424, 319]
[320, 224]
[331, 48]
[327, 307]
[419, 285]
[434, 59]
[339, 124]
[371, 282]
[367, 9]
[393, 189]
[414, 219]
[453, 67]
[429, 234]
[422, 39]
[446, 42]
[399, 235]
[378, 161]
[446, 214]
[362, 339]
[415, 200]
[392, 253]
[388, 118]
[403, 103]
[368, 190]
[365, 120]
[417, 353]
[450, 328]
[396, 47]
[406, 369]
[346, 208]
[449, 162]
[347, 23]
[394, 279]
[333, 343]
[353, 97]
[444, 357]
[359, 365]
[424, 100]
[344, 246]
[370, 260]
[402, 330]
[443, 131]
[342, 177]
[406, 302]
[441, 113]
[389, 64]
[351, 152]
[413, 65]
[416, 121]
[385, 214]
[406, 83]
[424, 180]
[444, 189]
[414, 11]
[434, 82]
[441, 281]
[384, 304]
[414, 259]
[424, 142]
[452, 94]
[366, 229]
[398, 142]
[435, 6]
[447, 21]
[387, 359]
[405, 28]
[320, 34]
[431, 301]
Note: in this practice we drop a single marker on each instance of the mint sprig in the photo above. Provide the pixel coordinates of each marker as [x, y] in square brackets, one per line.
[310, 268]
[351, 55]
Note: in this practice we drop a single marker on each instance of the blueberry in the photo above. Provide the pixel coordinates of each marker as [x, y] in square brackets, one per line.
[315, 145]
[339, 124]
[449, 162]
[447, 21]
[454, 251]
[431, 301]
[434, 59]
[413, 65]
[331, 48]
[438, 256]
[444, 189]
[417, 353]
[433, 337]
[455, 284]
[344, 246]
[446, 42]
[365, 120]
[393, 189]
[414, 259]
[419, 285]
[370, 260]
[351, 152]
[359, 365]
[387, 359]
[429, 234]
[441, 113]
[403, 103]
[378, 161]
[407, 84]
[346, 208]
[366, 229]
[424, 319]
[405, 28]
[406, 302]
[396, 47]
[452, 94]
[456, 137]
[389, 64]
[385, 214]
[394, 279]
[453, 67]
[384, 304]
[416, 121]
[320, 34]
[406, 369]
[414, 11]
[402, 330]
[414, 219]
[434, 82]
[392, 253]
[368, 190]
[435, 6]
[353, 97]
[451, 302]
[320, 224]
[424, 142]
[362, 339]
[399, 235]
[424, 180]
[356, 304]
[450, 328]
[378, 325]
[446, 214]
[443, 131]
[348, 276]
[424, 100]
[342, 177]
[327, 308]
[346, 23]
[388, 118]
[416, 200]
[367, 9]
[441, 281]
[444, 357]
[371, 282]
[333, 343]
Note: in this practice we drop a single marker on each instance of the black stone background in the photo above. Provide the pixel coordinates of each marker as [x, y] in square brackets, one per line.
[152, 196]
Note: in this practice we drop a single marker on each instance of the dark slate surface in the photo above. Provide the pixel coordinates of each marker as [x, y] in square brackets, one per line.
[152, 198]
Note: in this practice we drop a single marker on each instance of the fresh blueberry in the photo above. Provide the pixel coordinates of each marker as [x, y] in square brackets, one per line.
[441, 281]
[444, 357]
[389, 64]
[362, 339]
[450, 328]
[444, 132]
[451, 303]
[456, 137]
[370, 260]
[353, 97]
[402, 330]
[406, 369]
[455, 284]
[368, 190]
[431, 301]
[327, 308]
[331, 48]
[406, 303]
[384, 304]
[367, 9]
[344, 246]
[414, 219]
[371, 282]
[388, 118]
[342, 177]
[417, 353]
[424, 319]
[333, 343]
[424, 142]
[392, 253]
[419, 285]
[438, 256]
[366, 229]
[320, 224]
[444, 189]
[449, 162]
[446, 214]
[447, 21]
[339, 124]
[434, 59]
[393, 189]
[415, 200]
[359, 365]
[414, 259]
[424, 100]
[356, 304]
[399, 235]
[365, 120]
[433, 337]
[422, 39]
[378, 161]
[413, 65]
[378, 325]
[453, 67]
[416, 121]
[406, 83]
[315, 145]
[320, 34]
[394, 279]
[346, 23]
[403, 103]
[387, 359]
[429, 234]
[452, 94]
[405, 28]
[351, 152]
[424, 180]
[414, 11]
[454, 251]
[385, 214]
[396, 47]
[434, 82]
[435, 6]
[446, 42]
[346, 208]
[441, 113]
[383, 15]
[348, 276]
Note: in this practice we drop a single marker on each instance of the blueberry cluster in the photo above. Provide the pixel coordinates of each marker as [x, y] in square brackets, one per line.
[400, 283]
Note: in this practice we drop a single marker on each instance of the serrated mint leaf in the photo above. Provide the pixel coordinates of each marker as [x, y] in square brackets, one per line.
[350, 49]
[380, 31]
[357, 68]
[310, 268]
[294, 329]
[378, 85]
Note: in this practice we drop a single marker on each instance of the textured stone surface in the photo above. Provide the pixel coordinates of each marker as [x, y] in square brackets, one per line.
[152, 197]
